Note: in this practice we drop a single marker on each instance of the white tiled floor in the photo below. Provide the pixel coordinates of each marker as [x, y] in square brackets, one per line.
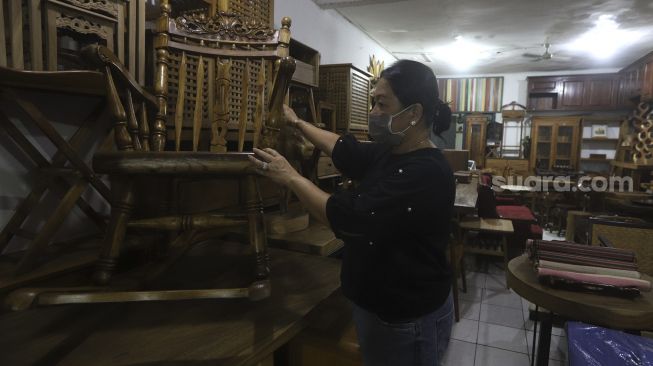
[494, 329]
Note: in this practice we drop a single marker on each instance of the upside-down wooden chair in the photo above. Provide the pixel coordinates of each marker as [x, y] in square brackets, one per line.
[223, 75]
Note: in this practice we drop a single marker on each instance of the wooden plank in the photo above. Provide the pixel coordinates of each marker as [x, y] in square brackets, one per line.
[51, 36]
[119, 35]
[131, 38]
[3, 46]
[36, 35]
[141, 42]
[199, 102]
[181, 94]
[242, 122]
[16, 34]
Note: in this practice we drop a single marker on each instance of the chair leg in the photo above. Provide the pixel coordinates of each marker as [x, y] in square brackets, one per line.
[257, 234]
[121, 209]
[461, 264]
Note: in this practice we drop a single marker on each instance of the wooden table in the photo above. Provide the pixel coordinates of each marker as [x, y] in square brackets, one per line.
[215, 332]
[492, 226]
[606, 311]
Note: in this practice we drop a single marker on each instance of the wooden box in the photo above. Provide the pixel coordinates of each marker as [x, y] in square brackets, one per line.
[308, 64]
[348, 88]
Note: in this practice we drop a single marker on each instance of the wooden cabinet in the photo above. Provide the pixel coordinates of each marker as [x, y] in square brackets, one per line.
[577, 92]
[636, 80]
[347, 88]
[476, 129]
[555, 142]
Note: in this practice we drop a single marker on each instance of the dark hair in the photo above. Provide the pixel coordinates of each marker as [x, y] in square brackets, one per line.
[413, 82]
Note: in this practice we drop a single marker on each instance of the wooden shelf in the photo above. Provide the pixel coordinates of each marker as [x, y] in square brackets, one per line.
[596, 159]
[598, 139]
[622, 164]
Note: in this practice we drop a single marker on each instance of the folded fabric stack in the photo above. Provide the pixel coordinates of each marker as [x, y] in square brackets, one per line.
[583, 267]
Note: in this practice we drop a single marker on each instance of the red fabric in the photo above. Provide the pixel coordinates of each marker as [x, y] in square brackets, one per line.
[536, 231]
[515, 213]
[486, 179]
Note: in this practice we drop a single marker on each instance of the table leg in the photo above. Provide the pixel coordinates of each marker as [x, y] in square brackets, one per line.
[534, 336]
[545, 339]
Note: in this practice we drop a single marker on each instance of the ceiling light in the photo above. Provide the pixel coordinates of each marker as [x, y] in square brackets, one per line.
[604, 39]
[461, 54]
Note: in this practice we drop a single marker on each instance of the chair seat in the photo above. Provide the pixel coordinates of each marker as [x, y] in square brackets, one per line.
[522, 213]
[173, 162]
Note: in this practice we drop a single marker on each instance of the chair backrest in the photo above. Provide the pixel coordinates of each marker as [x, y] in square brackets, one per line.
[225, 74]
[128, 103]
[634, 234]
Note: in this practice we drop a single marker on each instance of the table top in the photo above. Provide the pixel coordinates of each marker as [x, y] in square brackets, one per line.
[516, 188]
[608, 311]
[488, 225]
[216, 332]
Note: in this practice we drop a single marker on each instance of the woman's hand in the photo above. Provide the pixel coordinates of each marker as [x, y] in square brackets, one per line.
[291, 116]
[269, 163]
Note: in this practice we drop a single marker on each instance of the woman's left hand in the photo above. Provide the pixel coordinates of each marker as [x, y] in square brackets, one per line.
[269, 163]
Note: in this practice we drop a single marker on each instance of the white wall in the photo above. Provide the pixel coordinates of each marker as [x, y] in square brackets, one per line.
[325, 30]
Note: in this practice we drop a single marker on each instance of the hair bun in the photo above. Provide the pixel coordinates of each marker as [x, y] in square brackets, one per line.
[442, 117]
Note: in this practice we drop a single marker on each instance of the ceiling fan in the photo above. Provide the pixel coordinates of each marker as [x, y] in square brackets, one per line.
[547, 55]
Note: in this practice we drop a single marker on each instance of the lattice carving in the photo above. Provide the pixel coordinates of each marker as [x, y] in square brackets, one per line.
[81, 25]
[224, 26]
[642, 145]
[105, 6]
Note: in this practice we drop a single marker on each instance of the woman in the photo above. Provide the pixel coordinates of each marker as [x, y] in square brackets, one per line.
[395, 223]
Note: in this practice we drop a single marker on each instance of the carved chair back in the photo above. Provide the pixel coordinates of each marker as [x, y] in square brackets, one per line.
[216, 74]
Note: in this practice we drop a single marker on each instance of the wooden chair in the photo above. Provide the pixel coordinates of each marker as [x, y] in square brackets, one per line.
[214, 73]
[628, 233]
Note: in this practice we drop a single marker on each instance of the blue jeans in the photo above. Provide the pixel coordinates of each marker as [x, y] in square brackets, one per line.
[420, 342]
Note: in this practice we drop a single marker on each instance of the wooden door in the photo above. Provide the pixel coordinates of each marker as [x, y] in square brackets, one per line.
[600, 92]
[571, 93]
[555, 142]
[541, 144]
[475, 139]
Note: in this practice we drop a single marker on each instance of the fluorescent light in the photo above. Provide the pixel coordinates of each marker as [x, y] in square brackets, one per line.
[604, 39]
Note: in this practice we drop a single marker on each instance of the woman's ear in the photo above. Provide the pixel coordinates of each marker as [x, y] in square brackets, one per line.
[417, 112]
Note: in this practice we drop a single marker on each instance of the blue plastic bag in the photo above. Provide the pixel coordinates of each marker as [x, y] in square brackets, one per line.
[597, 346]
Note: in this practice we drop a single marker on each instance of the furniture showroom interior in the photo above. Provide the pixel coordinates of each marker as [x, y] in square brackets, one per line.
[273, 182]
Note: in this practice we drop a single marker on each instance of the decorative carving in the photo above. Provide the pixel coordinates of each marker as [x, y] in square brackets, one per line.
[81, 25]
[643, 144]
[224, 26]
[105, 6]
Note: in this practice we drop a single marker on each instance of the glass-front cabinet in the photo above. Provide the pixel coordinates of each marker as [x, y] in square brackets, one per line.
[555, 143]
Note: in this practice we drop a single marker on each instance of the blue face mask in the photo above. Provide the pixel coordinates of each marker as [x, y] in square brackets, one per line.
[380, 128]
